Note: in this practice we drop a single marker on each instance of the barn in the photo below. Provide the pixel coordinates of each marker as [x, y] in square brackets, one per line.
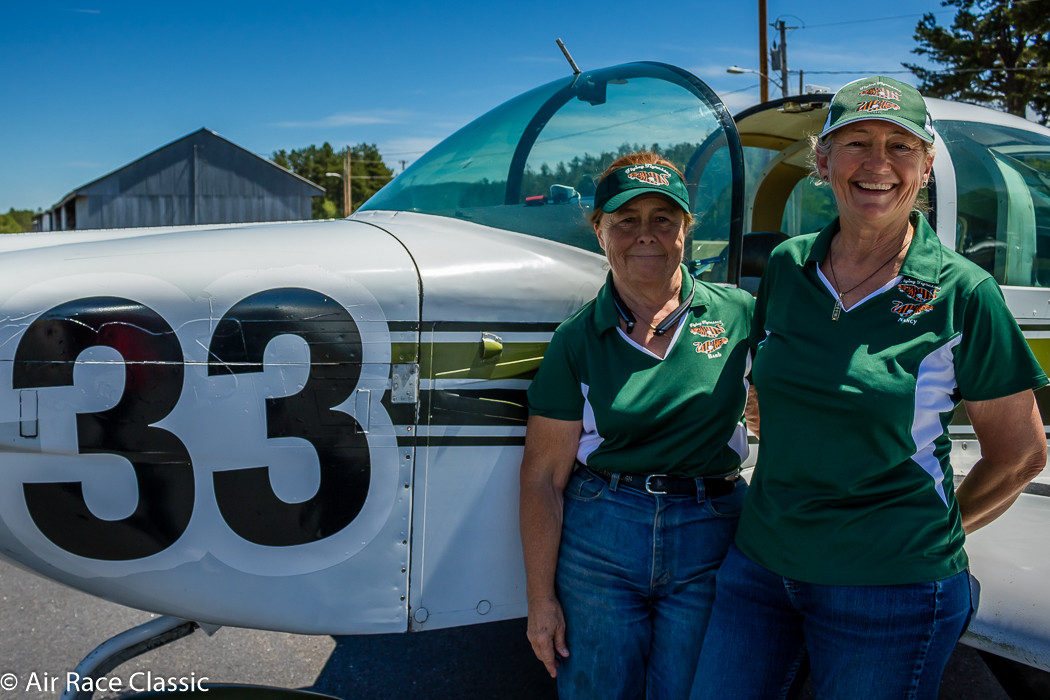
[201, 178]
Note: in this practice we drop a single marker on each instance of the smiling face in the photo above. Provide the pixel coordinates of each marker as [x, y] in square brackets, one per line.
[876, 169]
[644, 240]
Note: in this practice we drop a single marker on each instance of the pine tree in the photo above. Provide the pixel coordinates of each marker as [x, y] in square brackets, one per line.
[997, 52]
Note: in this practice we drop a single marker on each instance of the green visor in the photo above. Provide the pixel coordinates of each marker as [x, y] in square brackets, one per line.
[624, 184]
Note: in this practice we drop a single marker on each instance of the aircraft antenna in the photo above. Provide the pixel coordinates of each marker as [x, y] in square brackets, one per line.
[565, 51]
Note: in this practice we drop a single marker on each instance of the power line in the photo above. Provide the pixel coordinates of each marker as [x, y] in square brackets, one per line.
[743, 89]
[873, 19]
[883, 19]
[993, 69]
[932, 72]
[851, 72]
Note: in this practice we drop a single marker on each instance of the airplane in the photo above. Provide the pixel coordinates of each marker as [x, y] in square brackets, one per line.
[316, 427]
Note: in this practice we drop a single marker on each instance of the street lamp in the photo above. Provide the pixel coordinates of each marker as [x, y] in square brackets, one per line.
[801, 89]
[346, 191]
[737, 70]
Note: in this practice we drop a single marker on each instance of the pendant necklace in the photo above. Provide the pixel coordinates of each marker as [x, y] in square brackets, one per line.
[831, 264]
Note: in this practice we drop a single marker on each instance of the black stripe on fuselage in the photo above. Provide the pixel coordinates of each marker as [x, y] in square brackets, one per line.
[462, 407]
[460, 440]
[403, 326]
[489, 326]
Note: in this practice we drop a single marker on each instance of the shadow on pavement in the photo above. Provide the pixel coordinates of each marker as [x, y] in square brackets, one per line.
[492, 660]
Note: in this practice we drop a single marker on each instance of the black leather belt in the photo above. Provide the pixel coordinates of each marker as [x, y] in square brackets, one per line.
[664, 485]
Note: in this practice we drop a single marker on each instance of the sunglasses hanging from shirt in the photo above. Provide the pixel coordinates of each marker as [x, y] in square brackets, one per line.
[669, 321]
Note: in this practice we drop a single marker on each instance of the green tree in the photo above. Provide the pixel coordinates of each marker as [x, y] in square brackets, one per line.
[368, 173]
[996, 51]
[16, 221]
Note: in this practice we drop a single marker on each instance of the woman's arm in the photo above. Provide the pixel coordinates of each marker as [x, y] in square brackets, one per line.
[1013, 452]
[751, 410]
[550, 453]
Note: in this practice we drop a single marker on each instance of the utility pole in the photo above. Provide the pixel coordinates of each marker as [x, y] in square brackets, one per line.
[346, 185]
[763, 58]
[783, 56]
[196, 193]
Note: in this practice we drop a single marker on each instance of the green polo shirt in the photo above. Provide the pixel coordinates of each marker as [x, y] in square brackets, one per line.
[853, 485]
[641, 414]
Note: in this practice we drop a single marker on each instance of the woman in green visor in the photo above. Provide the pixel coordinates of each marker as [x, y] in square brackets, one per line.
[629, 486]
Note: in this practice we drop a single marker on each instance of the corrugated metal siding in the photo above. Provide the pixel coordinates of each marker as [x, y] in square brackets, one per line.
[200, 179]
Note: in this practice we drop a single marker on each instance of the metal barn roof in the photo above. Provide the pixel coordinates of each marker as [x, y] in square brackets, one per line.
[201, 178]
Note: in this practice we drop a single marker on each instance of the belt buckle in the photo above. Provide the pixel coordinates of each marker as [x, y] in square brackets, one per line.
[649, 489]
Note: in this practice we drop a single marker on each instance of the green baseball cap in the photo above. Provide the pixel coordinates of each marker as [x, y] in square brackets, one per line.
[624, 184]
[883, 98]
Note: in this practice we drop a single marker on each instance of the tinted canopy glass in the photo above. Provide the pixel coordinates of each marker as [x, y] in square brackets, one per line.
[1003, 183]
[531, 164]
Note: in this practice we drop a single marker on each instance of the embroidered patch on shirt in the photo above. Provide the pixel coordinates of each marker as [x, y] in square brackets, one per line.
[707, 329]
[908, 312]
[711, 347]
[920, 293]
[918, 290]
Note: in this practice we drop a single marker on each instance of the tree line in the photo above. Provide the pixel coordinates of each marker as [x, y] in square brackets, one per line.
[16, 221]
[368, 173]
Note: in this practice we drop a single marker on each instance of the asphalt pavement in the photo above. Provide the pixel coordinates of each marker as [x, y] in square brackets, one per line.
[49, 628]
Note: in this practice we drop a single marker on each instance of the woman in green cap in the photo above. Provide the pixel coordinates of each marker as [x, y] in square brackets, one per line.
[630, 488]
[867, 336]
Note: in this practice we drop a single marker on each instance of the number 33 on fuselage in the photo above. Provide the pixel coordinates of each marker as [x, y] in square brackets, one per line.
[218, 439]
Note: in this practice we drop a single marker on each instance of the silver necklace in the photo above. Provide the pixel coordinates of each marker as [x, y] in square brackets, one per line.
[839, 295]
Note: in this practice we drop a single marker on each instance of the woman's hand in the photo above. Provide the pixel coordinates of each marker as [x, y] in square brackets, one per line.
[547, 633]
[550, 453]
[1013, 452]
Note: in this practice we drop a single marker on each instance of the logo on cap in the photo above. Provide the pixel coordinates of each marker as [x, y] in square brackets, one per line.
[877, 106]
[880, 98]
[877, 90]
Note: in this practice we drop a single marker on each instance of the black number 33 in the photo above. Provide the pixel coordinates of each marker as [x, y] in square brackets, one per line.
[154, 371]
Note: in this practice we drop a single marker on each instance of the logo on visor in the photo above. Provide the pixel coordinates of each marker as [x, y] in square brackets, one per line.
[650, 178]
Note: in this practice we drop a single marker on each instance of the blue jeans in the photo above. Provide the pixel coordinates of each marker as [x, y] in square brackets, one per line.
[635, 580]
[872, 642]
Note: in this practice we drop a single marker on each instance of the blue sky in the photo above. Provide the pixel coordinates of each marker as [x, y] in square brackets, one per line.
[91, 85]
